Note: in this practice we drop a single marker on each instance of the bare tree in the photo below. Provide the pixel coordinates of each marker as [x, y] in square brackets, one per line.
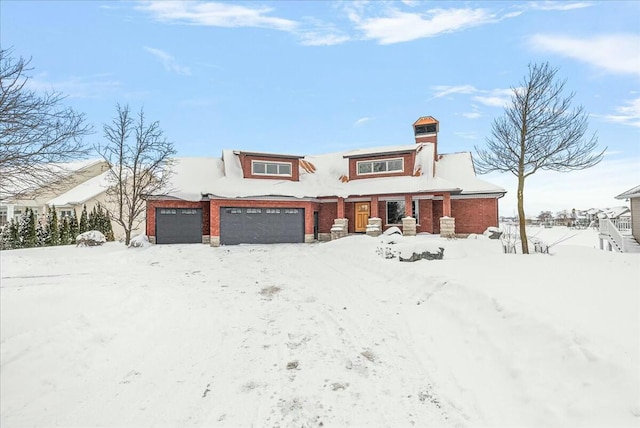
[539, 131]
[37, 134]
[140, 157]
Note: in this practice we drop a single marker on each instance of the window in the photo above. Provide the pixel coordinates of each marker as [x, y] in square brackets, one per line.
[189, 212]
[426, 129]
[396, 211]
[273, 210]
[271, 168]
[380, 166]
[254, 210]
[234, 210]
[65, 213]
[3, 218]
[168, 211]
[291, 211]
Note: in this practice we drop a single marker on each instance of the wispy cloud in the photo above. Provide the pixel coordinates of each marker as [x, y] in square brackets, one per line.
[614, 53]
[495, 97]
[491, 98]
[466, 135]
[443, 91]
[397, 26]
[628, 114]
[168, 61]
[94, 86]
[557, 5]
[472, 115]
[361, 121]
[216, 14]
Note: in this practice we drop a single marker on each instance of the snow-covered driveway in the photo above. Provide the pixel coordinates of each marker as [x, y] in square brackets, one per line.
[318, 335]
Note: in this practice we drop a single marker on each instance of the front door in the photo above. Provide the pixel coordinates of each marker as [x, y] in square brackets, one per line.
[362, 216]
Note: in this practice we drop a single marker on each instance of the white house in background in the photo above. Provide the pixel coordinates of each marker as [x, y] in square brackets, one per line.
[89, 193]
[76, 173]
[633, 195]
[620, 229]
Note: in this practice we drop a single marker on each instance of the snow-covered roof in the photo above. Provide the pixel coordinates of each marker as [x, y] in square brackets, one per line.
[82, 192]
[194, 177]
[631, 193]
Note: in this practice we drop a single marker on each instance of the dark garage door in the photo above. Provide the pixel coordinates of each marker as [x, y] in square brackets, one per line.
[261, 225]
[178, 225]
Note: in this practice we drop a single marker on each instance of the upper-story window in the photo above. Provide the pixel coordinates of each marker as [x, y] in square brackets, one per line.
[271, 168]
[380, 166]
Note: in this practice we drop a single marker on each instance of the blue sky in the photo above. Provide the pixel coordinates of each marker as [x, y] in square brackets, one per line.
[320, 76]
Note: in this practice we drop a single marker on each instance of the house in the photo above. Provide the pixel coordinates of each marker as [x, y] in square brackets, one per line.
[633, 195]
[72, 174]
[619, 228]
[250, 197]
[90, 193]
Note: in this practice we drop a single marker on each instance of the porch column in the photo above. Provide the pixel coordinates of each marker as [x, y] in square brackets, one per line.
[340, 213]
[374, 207]
[446, 205]
[408, 206]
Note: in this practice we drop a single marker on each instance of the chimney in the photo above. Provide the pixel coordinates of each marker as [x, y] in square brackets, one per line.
[425, 130]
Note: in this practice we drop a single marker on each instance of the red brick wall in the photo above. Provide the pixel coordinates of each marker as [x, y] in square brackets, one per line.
[409, 164]
[474, 215]
[245, 161]
[152, 204]
[216, 204]
[437, 213]
[349, 212]
[425, 213]
[327, 213]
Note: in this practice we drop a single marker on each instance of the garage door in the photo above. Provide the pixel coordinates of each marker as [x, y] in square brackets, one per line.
[261, 225]
[178, 225]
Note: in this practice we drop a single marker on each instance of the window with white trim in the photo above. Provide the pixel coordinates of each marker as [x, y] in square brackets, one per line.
[396, 211]
[382, 166]
[65, 213]
[271, 168]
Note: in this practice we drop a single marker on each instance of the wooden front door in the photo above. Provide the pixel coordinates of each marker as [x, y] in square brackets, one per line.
[362, 216]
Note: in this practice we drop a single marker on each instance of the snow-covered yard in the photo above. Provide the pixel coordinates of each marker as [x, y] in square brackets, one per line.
[316, 335]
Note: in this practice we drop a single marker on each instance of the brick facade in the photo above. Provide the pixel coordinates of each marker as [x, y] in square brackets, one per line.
[474, 215]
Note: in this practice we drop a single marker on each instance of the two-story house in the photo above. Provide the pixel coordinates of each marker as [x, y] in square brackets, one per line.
[248, 197]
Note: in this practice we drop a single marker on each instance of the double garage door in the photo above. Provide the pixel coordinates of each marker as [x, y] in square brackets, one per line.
[178, 225]
[237, 225]
[261, 225]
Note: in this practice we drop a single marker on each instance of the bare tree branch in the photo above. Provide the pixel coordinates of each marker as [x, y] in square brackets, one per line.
[539, 131]
[141, 162]
[37, 134]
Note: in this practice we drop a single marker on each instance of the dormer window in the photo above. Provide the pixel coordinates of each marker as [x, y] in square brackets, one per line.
[271, 168]
[381, 166]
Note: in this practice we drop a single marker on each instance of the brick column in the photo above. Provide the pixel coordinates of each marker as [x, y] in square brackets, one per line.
[408, 206]
[340, 208]
[446, 205]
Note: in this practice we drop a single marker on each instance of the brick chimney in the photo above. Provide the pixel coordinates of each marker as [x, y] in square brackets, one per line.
[425, 130]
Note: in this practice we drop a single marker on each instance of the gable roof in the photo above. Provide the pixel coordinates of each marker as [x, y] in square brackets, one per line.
[320, 175]
[631, 193]
[83, 191]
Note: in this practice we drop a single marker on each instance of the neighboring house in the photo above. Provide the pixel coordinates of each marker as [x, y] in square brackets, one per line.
[633, 195]
[249, 197]
[619, 228]
[89, 193]
[75, 173]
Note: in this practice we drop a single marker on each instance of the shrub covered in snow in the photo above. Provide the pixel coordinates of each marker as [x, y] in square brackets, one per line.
[139, 241]
[393, 230]
[90, 239]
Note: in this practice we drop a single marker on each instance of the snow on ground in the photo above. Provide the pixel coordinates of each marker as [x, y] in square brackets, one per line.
[324, 334]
